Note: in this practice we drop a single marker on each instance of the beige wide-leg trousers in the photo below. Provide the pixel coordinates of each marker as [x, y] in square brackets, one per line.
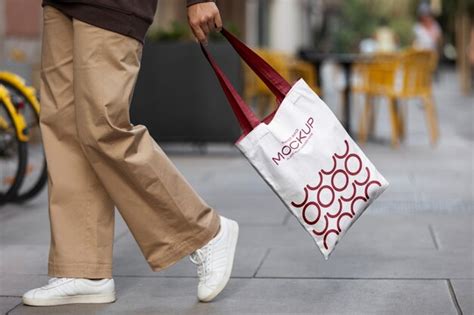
[97, 159]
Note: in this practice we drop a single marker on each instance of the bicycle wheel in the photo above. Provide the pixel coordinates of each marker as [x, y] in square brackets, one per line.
[36, 175]
[13, 155]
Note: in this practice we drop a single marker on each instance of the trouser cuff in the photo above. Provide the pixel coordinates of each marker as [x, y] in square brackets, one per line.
[187, 246]
[90, 271]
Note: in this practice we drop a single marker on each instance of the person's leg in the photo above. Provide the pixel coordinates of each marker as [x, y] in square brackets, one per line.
[165, 215]
[81, 211]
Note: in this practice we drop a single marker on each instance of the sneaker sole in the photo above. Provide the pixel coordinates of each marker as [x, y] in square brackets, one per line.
[234, 231]
[75, 299]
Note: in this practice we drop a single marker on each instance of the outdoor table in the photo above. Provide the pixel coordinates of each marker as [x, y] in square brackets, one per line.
[346, 60]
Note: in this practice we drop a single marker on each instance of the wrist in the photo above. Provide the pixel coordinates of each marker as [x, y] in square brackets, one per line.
[193, 2]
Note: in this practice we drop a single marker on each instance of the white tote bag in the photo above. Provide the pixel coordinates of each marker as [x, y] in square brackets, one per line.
[304, 154]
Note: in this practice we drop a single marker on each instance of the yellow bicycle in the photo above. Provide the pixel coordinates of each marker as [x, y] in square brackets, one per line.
[28, 105]
[13, 147]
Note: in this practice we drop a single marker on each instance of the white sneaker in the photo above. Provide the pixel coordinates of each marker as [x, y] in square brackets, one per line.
[215, 260]
[61, 291]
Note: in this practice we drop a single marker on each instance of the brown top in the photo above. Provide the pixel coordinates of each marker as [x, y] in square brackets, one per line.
[128, 17]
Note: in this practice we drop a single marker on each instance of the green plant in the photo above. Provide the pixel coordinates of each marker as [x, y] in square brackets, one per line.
[231, 27]
[177, 31]
[180, 31]
[356, 22]
[403, 27]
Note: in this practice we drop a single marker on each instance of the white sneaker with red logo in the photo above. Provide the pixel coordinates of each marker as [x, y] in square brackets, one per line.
[215, 260]
[61, 291]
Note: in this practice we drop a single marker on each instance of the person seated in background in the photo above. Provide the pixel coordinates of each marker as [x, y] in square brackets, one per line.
[382, 40]
[385, 37]
[427, 31]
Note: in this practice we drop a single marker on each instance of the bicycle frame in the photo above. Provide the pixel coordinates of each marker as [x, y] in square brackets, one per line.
[19, 83]
[17, 118]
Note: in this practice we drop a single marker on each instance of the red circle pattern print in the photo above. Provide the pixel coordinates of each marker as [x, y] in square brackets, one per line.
[333, 180]
[334, 198]
[324, 192]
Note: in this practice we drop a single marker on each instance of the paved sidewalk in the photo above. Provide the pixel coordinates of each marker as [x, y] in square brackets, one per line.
[410, 253]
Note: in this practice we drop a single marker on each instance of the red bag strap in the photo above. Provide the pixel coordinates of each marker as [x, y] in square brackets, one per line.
[247, 119]
[272, 79]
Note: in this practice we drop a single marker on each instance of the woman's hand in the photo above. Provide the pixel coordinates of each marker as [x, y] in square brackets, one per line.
[203, 18]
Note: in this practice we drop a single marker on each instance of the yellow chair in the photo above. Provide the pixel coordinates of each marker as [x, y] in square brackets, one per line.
[360, 83]
[304, 70]
[398, 77]
[288, 67]
[378, 78]
[255, 89]
[360, 80]
[418, 68]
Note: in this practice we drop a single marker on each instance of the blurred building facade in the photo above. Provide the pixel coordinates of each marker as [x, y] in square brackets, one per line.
[284, 25]
[277, 24]
[20, 37]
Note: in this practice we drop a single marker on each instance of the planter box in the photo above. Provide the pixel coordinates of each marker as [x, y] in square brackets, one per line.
[178, 97]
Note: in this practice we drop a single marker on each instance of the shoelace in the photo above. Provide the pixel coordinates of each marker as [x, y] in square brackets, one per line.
[201, 258]
[54, 281]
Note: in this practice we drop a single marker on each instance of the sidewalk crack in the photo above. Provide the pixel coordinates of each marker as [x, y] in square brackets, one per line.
[286, 218]
[8, 312]
[433, 236]
[267, 252]
[453, 297]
